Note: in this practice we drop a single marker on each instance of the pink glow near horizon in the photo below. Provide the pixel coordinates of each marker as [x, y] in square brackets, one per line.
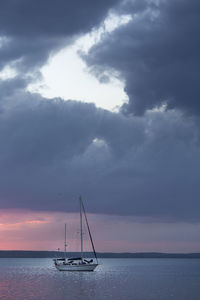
[31, 230]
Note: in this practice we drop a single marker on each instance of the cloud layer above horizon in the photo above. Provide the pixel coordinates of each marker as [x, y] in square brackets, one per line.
[142, 161]
[157, 54]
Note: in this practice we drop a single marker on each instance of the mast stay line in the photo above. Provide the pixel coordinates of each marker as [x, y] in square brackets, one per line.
[89, 231]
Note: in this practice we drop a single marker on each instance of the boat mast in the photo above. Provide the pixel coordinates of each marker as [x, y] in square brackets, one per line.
[65, 244]
[81, 228]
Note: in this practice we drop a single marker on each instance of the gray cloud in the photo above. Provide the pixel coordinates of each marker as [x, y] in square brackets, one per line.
[158, 55]
[44, 18]
[31, 30]
[53, 150]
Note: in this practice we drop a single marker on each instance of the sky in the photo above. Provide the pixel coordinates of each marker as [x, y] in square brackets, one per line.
[100, 99]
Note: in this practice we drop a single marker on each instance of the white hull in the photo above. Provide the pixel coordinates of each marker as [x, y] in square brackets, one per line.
[81, 267]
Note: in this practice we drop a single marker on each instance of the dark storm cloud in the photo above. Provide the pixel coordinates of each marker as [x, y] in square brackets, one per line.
[8, 87]
[32, 29]
[47, 18]
[158, 55]
[53, 150]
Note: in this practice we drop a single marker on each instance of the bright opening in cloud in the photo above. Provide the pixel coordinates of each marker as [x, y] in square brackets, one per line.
[7, 73]
[66, 75]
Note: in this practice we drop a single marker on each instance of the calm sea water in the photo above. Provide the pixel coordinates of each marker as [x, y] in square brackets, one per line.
[116, 279]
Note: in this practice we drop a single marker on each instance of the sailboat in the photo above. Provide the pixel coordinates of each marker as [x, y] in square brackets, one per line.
[78, 263]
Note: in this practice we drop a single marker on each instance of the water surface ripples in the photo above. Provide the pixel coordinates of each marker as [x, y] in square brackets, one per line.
[114, 279]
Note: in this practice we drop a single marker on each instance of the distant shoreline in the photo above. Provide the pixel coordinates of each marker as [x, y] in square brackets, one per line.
[52, 254]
